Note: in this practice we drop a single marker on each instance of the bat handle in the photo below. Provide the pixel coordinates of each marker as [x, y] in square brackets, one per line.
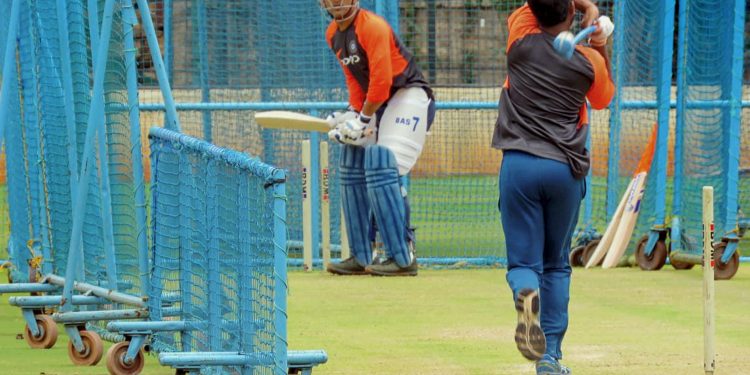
[583, 34]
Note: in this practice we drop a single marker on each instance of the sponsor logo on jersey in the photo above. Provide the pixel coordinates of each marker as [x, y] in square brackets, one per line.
[350, 60]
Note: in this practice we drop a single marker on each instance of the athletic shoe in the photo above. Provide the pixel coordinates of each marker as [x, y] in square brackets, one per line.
[349, 266]
[529, 335]
[550, 366]
[390, 268]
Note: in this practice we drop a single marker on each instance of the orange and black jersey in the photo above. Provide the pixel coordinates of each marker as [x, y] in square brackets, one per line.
[375, 63]
[543, 104]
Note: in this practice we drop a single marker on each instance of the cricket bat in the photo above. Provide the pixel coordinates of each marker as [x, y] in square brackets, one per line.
[292, 121]
[632, 206]
[344, 239]
[609, 233]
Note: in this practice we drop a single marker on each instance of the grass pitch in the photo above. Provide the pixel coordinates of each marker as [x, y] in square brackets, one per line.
[622, 321]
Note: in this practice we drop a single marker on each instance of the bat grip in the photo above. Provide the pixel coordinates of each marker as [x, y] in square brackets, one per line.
[583, 34]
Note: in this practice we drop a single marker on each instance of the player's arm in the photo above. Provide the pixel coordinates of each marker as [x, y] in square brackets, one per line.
[376, 40]
[356, 95]
[599, 39]
[590, 12]
[605, 56]
[602, 88]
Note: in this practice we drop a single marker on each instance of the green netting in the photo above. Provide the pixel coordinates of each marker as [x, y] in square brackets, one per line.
[45, 155]
[459, 45]
[228, 59]
[214, 245]
[642, 74]
[709, 103]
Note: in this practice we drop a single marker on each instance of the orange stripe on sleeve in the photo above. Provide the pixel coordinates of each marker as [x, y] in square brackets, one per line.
[376, 38]
[356, 95]
[521, 23]
[602, 89]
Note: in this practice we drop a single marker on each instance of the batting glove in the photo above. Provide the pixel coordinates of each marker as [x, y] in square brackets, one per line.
[356, 132]
[338, 117]
[606, 28]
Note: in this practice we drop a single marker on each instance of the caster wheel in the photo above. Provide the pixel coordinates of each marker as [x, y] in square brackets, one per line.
[92, 352]
[725, 271]
[47, 333]
[588, 252]
[116, 360]
[656, 260]
[576, 256]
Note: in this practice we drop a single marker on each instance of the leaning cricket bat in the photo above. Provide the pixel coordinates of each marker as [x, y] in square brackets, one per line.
[292, 121]
[609, 233]
[632, 206]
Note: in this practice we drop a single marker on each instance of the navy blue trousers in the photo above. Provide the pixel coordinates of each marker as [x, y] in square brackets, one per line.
[539, 202]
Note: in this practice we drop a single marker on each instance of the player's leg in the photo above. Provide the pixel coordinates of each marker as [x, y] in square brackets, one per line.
[521, 213]
[564, 194]
[401, 135]
[356, 212]
[387, 202]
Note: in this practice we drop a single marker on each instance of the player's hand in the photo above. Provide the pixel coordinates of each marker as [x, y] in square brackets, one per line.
[356, 132]
[335, 135]
[590, 14]
[338, 117]
[359, 131]
[605, 28]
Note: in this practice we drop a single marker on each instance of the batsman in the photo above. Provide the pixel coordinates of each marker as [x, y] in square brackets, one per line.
[391, 107]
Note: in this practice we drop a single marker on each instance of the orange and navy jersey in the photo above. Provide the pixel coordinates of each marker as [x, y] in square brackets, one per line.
[375, 63]
[543, 104]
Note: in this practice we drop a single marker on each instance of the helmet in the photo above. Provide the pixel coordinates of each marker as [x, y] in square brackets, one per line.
[340, 10]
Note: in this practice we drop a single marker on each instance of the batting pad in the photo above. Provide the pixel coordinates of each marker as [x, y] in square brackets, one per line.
[356, 202]
[384, 191]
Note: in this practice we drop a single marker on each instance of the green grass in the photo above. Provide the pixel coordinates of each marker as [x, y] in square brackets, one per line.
[622, 321]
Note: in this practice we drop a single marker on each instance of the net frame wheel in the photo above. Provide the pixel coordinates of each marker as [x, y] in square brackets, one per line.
[656, 260]
[116, 360]
[47, 333]
[576, 256]
[588, 252]
[676, 264]
[93, 349]
[725, 271]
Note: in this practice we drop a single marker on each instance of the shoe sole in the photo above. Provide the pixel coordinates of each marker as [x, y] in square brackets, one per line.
[388, 274]
[346, 273]
[529, 334]
[375, 272]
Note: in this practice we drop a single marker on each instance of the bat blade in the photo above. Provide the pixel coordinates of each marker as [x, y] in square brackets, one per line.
[292, 121]
[616, 237]
[609, 233]
[627, 223]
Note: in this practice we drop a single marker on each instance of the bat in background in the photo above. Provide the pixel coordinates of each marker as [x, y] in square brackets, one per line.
[292, 121]
[632, 206]
[609, 234]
